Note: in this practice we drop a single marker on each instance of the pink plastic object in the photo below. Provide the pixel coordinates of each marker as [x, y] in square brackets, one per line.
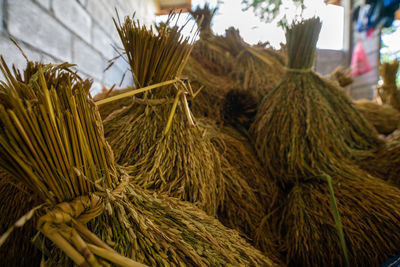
[359, 62]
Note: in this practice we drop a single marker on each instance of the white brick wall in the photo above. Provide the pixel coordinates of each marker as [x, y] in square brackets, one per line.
[77, 31]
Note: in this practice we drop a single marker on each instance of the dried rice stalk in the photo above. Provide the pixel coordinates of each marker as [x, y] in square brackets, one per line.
[240, 108]
[307, 121]
[248, 192]
[384, 162]
[108, 108]
[342, 76]
[51, 139]
[16, 200]
[388, 91]
[223, 63]
[182, 162]
[384, 118]
[305, 129]
[203, 17]
[307, 233]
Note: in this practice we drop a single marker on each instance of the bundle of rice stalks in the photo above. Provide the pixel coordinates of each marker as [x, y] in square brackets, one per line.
[108, 108]
[342, 76]
[15, 201]
[384, 162]
[253, 68]
[307, 230]
[388, 91]
[249, 191]
[178, 162]
[384, 118]
[203, 17]
[239, 109]
[156, 139]
[213, 86]
[307, 112]
[306, 131]
[51, 140]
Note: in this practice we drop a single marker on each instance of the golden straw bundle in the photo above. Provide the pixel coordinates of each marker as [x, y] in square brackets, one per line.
[384, 118]
[388, 91]
[248, 192]
[138, 132]
[240, 108]
[384, 162]
[110, 107]
[216, 59]
[342, 76]
[306, 132]
[156, 139]
[307, 232]
[203, 17]
[51, 140]
[307, 120]
[15, 201]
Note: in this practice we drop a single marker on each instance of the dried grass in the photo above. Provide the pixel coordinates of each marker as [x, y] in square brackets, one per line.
[107, 108]
[15, 201]
[306, 229]
[384, 118]
[384, 162]
[248, 192]
[388, 91]
[342, 76]
[306, 129]
[183, 162]
[307, 122]
[51, 139]
[223, 63]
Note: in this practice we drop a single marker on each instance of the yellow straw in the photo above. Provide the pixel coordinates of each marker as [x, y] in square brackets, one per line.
[134, 92]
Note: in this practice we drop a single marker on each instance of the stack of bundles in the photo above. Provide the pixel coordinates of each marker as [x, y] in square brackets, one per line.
[108, 108]
[255, 69]
[155, 136]
[218, 59]
[239, 108]
[388, 91]
[212, 86]
[51, 140]
[305, 131]
[203, 17]
[208, 68]
[385, 118]
[237, 151]
[384, 162]
[15, 201]
[342, 76]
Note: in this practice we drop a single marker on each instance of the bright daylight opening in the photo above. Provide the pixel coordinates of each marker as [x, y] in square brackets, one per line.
[230, 13]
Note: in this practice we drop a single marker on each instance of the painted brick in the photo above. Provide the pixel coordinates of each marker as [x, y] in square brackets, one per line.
[121, 64]
[102, 14]
[1, 14]
[114, 76]
[48, 59]
[83, 2]
[12, 54]
[44, 3]
[88, 60]
[102, 42]
[29, 23]
[74, 17]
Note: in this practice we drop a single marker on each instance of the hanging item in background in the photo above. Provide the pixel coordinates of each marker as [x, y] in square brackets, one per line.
[375, 14]
[359, 61]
